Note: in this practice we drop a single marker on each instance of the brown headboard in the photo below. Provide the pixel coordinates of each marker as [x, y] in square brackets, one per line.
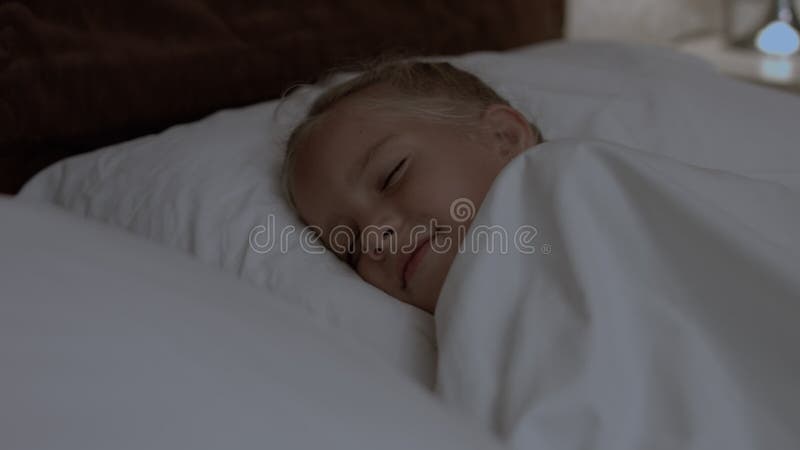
[79, 74]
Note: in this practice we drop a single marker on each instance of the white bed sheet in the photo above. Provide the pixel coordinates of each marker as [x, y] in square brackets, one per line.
[108, 341]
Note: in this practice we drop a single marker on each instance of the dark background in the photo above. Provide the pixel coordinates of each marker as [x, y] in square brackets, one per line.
[76, 75]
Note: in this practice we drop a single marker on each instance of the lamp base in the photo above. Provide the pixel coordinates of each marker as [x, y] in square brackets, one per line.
[746, 64]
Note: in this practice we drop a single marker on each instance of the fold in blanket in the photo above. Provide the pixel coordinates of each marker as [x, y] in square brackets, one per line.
[655, 307]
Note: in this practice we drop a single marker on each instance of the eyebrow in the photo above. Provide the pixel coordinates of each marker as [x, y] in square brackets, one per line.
[357, 169]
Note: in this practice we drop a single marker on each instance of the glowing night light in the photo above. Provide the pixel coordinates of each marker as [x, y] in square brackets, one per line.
[778, 38]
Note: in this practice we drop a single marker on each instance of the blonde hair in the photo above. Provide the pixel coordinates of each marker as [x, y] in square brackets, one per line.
[434, 90]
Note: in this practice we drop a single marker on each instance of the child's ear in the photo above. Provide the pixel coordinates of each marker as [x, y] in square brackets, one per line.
[510, 132]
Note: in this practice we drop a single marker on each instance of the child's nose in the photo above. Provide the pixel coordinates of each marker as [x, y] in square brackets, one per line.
[381, 242]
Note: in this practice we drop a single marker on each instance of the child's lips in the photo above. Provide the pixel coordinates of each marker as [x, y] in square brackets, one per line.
[413, 261]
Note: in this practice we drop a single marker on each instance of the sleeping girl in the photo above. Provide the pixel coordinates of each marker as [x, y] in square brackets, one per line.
[379, 161]
[666, 312]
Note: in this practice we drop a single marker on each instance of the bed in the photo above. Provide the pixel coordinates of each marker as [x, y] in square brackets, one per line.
[82, 75]
[169, 284]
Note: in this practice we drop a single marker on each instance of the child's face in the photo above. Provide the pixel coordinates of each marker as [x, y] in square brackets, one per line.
[363, 169]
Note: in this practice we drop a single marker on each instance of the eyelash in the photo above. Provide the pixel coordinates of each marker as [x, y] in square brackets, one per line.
[392, 173]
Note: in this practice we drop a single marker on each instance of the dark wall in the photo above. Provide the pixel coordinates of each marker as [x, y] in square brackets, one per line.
[80, 74]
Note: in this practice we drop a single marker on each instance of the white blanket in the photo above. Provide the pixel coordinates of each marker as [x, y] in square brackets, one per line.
[658, 310]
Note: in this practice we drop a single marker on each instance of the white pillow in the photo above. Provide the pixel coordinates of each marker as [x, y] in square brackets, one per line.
[203, 188]
[108, 341]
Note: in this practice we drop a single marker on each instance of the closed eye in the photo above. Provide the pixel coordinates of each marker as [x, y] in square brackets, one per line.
[391, 175]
